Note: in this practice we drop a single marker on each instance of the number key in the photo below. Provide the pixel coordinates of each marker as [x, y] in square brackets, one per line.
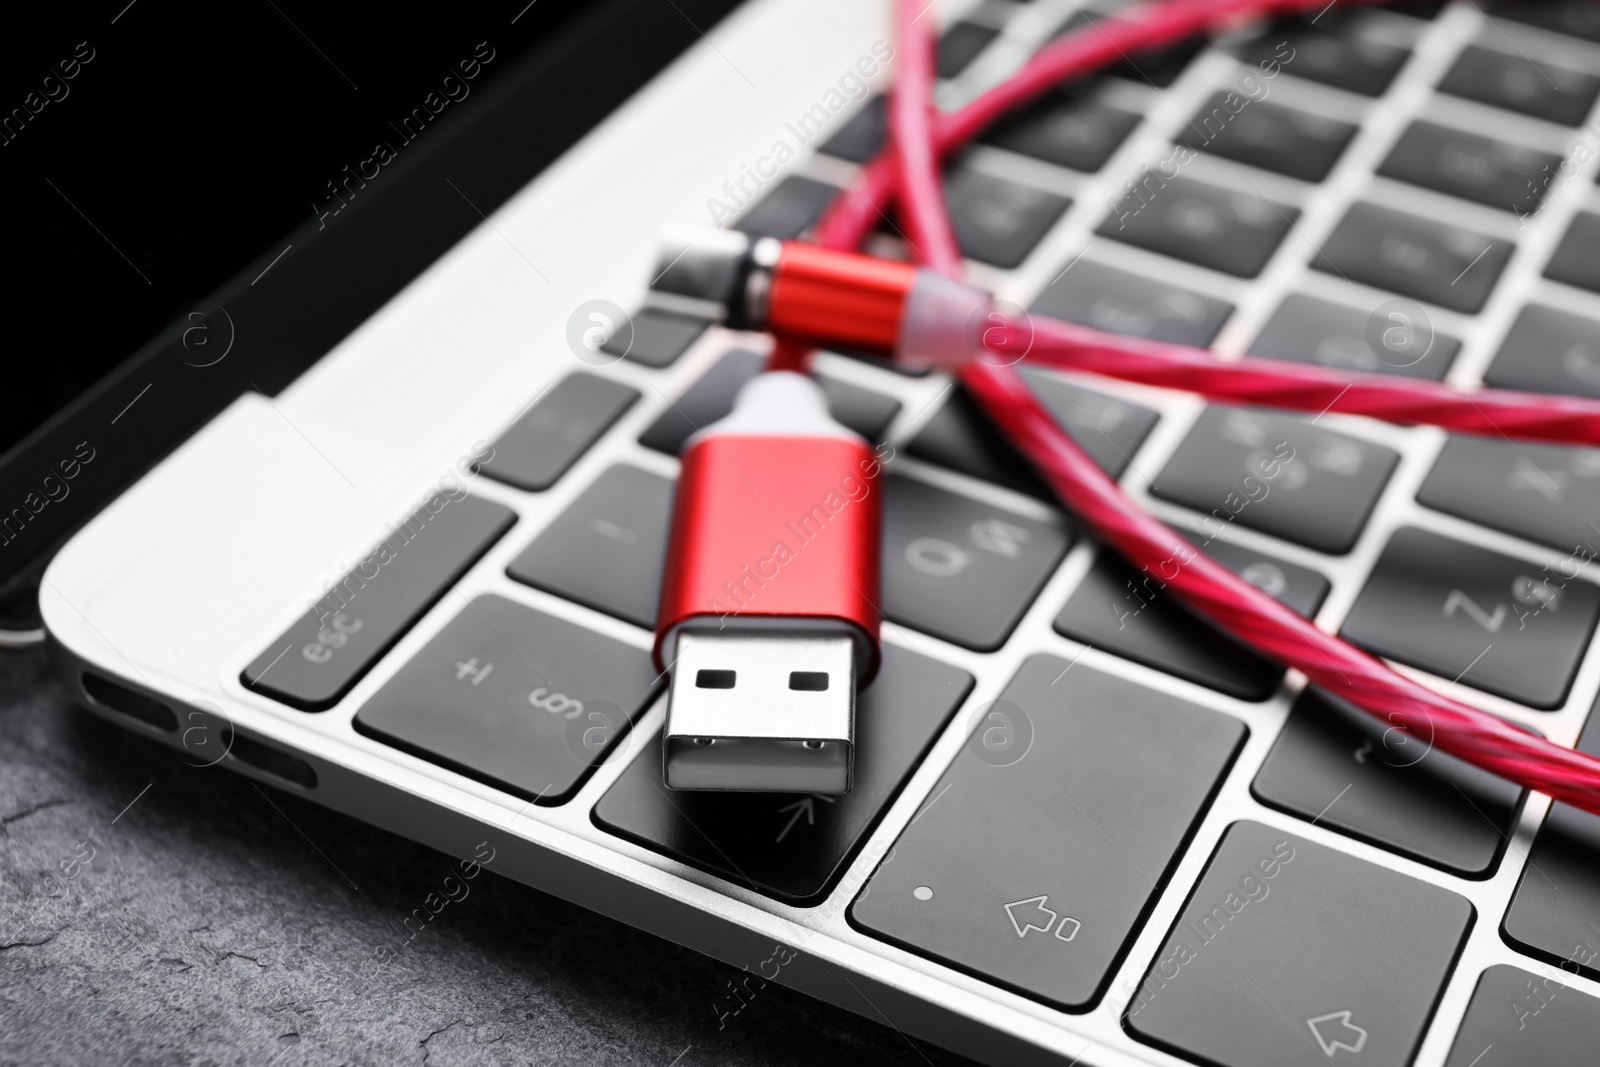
[998, 221]
[606, 549]
[559, 428]
[524, 701]
[1504, 625]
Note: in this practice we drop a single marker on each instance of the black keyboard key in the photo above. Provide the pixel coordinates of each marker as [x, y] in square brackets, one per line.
[1554, 911]
[316, 661]
[1546, 90]
[1579, 18]
[711, 397]
[959, 569]
[513, 697]
[1092, 294]
[1471, 166]
[998, 221]
[1269, 136]
[1066, 129]
[1300, 589]
[960, 45]
[1549, 351]
[961, 437]
[790, 846]
[1520, 1018]
[789, 209]
[865, 411]
[1278, 474]
[1503, 625]
[1546, 493]
[864, 135]
[1228, 230]
[1577, 259]
[1307, 330]
[1280, 958]
[1342, 49]
[1433, 261]
[1120, 610]
[1036, 855]
[1108, 429]
[1341, 768]
[658, 338]
[605, 551]
[1159, 67]
[560, 426]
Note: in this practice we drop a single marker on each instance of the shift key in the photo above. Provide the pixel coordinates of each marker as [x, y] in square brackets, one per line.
[1035, 857]
[318, 659]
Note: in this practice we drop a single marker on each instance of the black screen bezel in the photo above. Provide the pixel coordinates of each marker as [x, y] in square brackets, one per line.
[335, 276]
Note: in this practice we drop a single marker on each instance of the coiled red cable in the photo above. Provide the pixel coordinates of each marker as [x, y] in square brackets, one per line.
[908, 171]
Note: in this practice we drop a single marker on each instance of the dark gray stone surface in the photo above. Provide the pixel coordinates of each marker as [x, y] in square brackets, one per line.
[206, 928]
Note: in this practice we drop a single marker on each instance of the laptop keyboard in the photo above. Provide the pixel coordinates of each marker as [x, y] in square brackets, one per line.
[1087, 841]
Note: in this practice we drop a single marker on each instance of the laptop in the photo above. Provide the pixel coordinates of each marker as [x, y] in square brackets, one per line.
[417, 583]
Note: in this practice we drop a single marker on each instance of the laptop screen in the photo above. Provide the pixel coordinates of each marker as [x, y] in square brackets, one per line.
[178, 195]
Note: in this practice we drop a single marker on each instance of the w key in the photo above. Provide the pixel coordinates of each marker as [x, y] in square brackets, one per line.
[959, 569]
[1500, 624]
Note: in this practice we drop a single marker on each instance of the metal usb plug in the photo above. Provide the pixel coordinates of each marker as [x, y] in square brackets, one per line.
[762, 712]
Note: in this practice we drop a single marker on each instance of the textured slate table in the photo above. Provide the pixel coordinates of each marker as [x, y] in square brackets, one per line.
[215, 923]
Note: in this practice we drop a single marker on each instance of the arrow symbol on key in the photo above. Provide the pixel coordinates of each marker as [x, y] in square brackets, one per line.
[1337, 1023]
[1022, 916]
[806, 806]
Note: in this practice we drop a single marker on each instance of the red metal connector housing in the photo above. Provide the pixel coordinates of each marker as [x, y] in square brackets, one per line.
[768, 619]
[773, 530]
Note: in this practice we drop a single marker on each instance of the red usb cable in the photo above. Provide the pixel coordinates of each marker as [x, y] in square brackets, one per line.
[877, 300]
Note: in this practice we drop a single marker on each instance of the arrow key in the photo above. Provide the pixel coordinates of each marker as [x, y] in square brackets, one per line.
[1293, 954]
